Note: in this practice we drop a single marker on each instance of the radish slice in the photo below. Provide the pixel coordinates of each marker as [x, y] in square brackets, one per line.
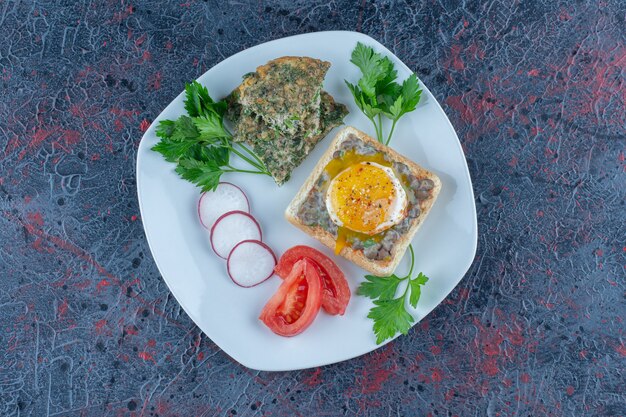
[226, 197]
[250, 263]
[232, 228]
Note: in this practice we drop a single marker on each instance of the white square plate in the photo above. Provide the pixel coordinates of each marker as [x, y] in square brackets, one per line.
[445, 245]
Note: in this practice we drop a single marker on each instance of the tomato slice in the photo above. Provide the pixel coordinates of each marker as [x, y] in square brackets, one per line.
[335, 291]
[297, 301]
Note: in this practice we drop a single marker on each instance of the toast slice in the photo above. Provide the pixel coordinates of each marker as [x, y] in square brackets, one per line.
[425, 201]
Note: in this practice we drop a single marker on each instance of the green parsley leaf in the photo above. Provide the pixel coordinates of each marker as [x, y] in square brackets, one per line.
[421, 279]
[199, 143]
[204, 174]
[416, 289]
[173, 150]
[185, 129]
[410, 94]
[395, 111]
[219, 155]
[377, 91]
[379, 287]
[363, 101]
[193, 104]
[390, 76]
[196, 98]
[218, 108]
[203, 93]
[372, 65]
[406, 98]
[165, 129]
[388, 94]
[389, 314]
[210, 126]
[356, 94]
[390, 317]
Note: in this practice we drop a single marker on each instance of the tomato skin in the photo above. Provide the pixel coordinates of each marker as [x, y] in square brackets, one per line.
[283, 303]
[335, 291]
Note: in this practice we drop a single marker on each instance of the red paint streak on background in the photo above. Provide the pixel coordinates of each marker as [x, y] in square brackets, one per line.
[436, 375]
[140, 40]
[375, 374]
[144, 125]
[99, 326]
[455, 58]
[68, 139]
[121, 116]
[154, 82]
[435, 350]
[313, 379]
[103, 283]
[64, 245]
[35, 218]
[146, 356]
[33, 230]
[63, 308]
[37, 139]
[12, 145]
[146, 56]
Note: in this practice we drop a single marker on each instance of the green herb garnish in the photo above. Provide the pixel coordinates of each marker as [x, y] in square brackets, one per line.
[389, 314]
[369, 243]
[200, 144]
[377, 93]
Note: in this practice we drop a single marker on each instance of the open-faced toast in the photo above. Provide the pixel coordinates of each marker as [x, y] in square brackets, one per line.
[383, 255]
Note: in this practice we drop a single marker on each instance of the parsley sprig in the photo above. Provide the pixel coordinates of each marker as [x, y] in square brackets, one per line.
[377, 93]
[389, 314]
[200, 144]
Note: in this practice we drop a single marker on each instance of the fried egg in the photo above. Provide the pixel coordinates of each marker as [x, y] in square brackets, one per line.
[367, 198]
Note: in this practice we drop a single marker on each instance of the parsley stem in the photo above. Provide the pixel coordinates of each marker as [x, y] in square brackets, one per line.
[408, 276]
[233, 169]
[254, 155]
[380, 127]
[393, 126]
[248, 160]
[258, 165]
[412, 260]
[373, 119]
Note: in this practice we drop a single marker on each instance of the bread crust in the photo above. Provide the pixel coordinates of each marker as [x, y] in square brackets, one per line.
[376, 267]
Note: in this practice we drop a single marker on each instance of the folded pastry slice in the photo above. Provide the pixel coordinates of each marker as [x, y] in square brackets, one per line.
[282, 152]
[284, 92]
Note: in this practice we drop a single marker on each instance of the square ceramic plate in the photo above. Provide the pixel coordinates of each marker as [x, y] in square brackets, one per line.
[228, 314]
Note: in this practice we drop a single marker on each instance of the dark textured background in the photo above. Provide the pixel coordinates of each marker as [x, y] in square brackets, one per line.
[536, 91]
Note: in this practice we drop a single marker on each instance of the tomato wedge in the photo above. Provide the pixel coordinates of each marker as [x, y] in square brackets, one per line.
[296, 303]
[335, 291]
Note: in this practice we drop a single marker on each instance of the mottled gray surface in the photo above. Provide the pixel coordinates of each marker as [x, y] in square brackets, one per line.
[536, 93]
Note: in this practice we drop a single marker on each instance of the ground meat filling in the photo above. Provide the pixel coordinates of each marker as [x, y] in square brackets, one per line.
[313, 211]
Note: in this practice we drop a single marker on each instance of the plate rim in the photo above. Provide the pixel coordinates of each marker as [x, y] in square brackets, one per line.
[379, 47]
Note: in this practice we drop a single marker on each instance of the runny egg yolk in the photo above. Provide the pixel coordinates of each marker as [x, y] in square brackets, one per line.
[367, 198]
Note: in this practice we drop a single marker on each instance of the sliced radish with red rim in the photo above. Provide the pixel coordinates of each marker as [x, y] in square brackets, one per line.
[231, 228]
[250, 263]
[226, 197]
